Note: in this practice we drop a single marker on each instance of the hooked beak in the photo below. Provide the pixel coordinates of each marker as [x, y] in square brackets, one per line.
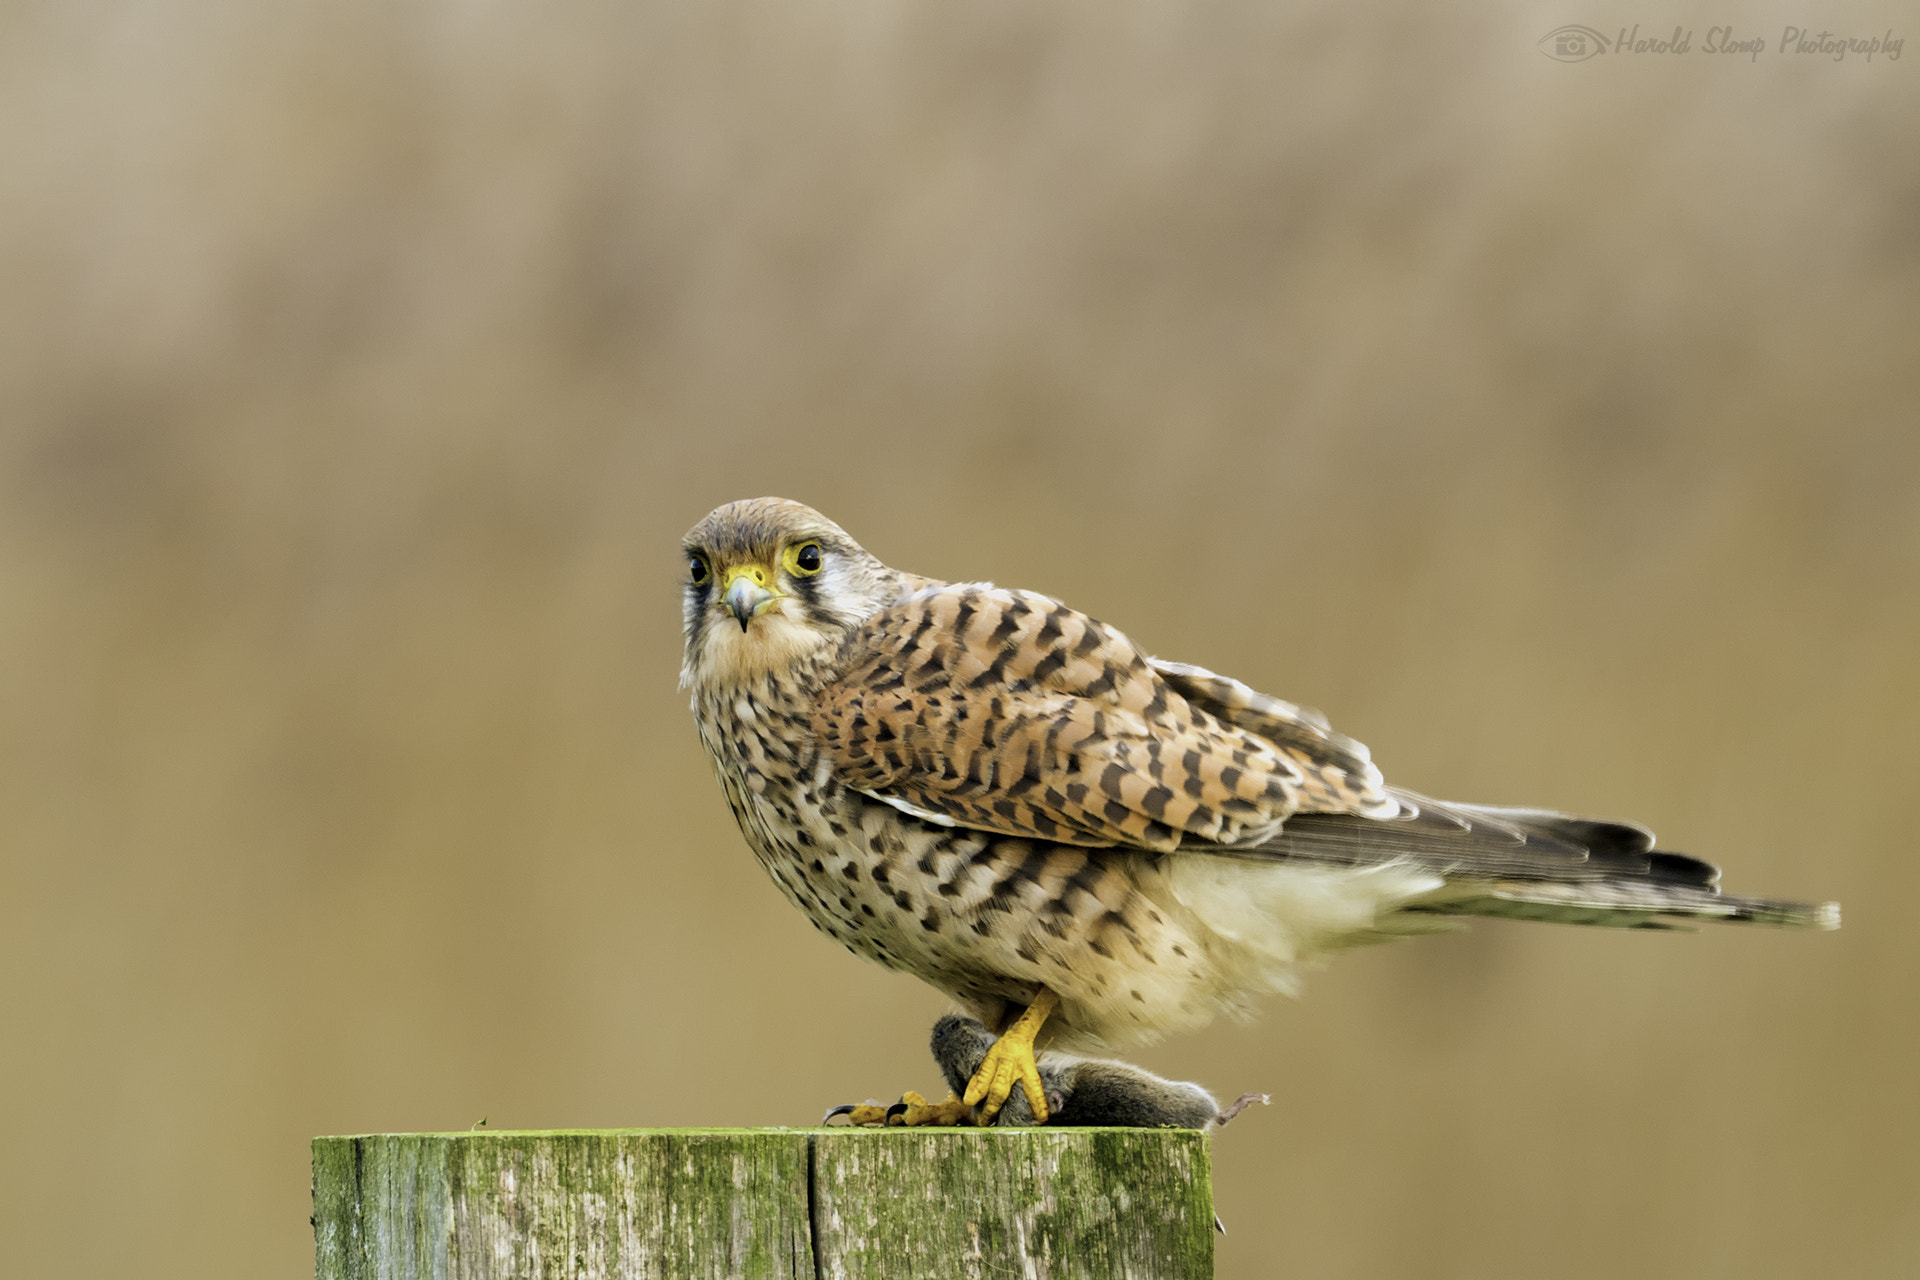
[746, 593]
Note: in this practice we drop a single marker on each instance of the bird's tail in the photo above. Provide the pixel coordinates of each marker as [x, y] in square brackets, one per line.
[1622, 905]
[1534, 864]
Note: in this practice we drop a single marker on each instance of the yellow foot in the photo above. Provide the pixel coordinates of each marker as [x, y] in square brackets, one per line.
[1010, 1060]
[912, 1109]
[866, 1114]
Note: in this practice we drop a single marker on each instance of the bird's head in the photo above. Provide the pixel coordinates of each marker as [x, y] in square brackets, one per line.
[769, 583]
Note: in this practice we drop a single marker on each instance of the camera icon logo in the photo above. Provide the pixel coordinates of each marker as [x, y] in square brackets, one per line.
[1572, 43]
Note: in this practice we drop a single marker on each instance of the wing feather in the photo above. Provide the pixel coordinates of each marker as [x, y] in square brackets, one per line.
[1009, 712]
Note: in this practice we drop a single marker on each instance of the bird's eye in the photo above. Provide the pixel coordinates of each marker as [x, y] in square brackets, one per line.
[804, 559]
[697, 571]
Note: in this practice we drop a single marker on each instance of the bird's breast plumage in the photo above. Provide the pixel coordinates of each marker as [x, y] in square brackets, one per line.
[984, 917]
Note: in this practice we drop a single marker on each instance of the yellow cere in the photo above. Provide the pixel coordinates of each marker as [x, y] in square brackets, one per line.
[759, 574]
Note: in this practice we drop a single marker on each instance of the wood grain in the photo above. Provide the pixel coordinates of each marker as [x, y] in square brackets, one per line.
[777, 1203]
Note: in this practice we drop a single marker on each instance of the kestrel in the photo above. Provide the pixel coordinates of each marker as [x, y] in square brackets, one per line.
[1079, 843]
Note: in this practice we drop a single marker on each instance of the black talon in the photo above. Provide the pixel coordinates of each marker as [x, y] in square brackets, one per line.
[897, 1109]
[844, 1109]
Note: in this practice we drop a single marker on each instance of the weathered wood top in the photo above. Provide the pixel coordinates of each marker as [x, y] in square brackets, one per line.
[787, 1203]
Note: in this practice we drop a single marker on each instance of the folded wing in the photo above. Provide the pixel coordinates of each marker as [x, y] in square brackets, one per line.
[1009, 712]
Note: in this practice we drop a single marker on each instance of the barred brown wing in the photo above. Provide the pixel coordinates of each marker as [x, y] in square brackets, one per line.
[1009, 712]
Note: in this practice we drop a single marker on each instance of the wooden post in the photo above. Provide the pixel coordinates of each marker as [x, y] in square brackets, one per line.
[792, 1204]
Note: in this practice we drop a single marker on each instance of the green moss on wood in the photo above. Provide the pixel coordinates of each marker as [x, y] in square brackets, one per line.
[998, 1202]
[763, 1202]
[575, 1204]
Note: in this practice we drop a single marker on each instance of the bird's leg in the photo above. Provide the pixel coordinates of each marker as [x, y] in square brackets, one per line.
[1010, 1060]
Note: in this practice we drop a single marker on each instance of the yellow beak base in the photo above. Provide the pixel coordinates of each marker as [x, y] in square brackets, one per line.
[746, 590]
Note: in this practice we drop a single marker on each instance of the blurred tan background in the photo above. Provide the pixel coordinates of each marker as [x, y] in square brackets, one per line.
[1553, 427]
